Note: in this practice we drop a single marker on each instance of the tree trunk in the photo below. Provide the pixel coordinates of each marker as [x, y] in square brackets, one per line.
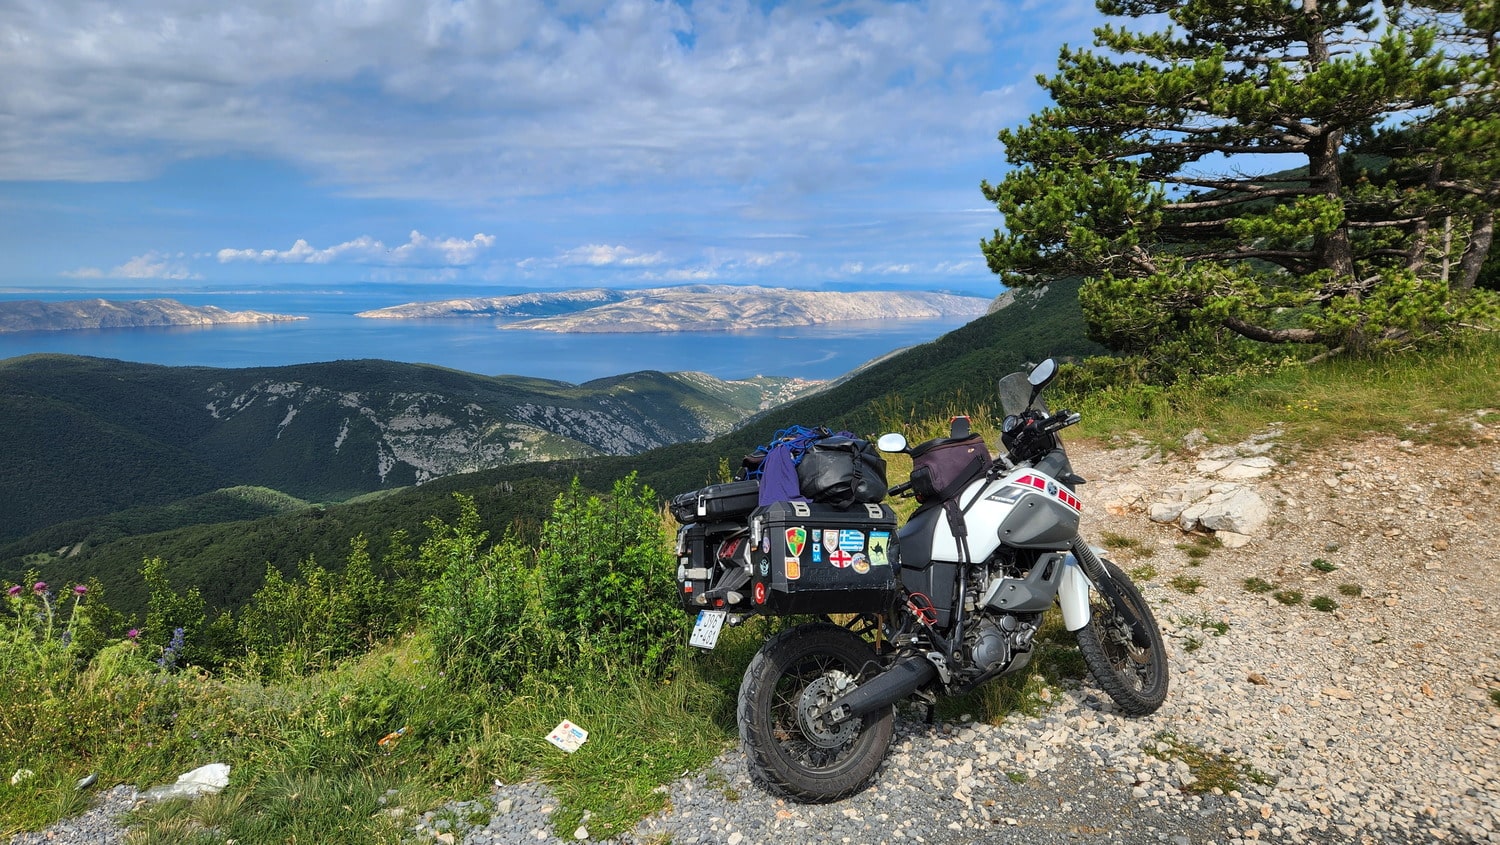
[1480, 238]
[1334, 249]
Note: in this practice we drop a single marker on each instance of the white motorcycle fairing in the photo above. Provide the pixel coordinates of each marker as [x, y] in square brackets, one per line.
[1025, 509]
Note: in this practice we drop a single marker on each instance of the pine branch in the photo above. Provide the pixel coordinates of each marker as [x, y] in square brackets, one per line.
[1265, 335]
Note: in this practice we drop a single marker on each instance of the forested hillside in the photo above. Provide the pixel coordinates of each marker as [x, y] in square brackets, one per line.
[87, 437]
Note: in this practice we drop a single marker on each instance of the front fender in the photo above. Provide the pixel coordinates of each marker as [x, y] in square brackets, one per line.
[1073, 594]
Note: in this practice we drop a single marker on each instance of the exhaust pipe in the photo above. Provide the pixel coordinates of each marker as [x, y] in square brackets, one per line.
[883, 690]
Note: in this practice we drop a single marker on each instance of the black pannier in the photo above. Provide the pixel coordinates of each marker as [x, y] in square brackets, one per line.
[809, 557]
[842, 471]
[941, 468]
[735, 499]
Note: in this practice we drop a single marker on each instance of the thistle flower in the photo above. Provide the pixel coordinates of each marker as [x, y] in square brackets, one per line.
[39, 587]
[133, 633]
[80, 590]
[14, 591]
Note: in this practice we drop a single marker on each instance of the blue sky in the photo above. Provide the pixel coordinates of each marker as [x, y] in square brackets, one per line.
[503, 144]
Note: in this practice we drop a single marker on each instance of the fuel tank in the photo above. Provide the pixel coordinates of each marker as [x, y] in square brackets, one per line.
[1025, 508]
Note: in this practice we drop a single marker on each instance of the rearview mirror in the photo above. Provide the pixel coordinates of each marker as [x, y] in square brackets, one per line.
[893, 442]
[1042, 373]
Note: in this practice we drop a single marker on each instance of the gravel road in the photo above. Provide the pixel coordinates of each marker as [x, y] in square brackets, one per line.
[1369, 723]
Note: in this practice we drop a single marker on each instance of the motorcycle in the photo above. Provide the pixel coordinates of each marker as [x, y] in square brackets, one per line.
[942, 604]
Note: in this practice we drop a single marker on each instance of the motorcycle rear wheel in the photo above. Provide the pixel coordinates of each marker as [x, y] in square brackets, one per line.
[1135, 677]
[790, 753]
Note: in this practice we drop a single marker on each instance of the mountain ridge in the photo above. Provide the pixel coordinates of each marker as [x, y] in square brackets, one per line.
[88, 435]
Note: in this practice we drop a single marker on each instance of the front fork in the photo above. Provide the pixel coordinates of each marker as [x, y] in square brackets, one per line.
[1083, 569]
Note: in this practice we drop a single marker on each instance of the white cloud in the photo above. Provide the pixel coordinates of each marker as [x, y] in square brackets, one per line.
[152, 265]
[478, 99]
[419, 249]
[602, 255]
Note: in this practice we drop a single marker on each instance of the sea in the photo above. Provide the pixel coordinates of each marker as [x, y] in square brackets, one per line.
[332, 332]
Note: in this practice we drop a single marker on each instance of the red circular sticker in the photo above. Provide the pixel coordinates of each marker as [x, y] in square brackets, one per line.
[760, 592]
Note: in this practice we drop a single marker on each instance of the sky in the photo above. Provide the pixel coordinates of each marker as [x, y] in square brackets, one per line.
[177, 145]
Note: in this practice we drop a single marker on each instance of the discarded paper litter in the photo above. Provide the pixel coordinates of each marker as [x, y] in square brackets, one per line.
[205, 780]
[568, 736]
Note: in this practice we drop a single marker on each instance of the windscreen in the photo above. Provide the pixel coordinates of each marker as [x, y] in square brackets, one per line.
[1015, 390]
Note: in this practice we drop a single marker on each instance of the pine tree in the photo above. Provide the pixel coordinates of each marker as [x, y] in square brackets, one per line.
[1205, 180]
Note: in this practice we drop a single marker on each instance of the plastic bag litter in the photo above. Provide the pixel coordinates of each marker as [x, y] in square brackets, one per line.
[204, 780]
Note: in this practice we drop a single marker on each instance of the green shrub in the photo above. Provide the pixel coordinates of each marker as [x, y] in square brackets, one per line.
[1288, 597]
[608, 577]
[483, 608]
[1324, 603]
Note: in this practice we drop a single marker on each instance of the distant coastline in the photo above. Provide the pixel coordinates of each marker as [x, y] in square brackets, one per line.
[31, 315]
[692, 308]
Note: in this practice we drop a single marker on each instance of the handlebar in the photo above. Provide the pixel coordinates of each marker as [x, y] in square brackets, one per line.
[900, 490]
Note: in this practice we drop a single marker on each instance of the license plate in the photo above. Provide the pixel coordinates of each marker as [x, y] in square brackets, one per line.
[706, 630]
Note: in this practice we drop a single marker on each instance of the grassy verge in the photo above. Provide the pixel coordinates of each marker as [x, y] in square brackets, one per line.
[1427, 396]
[307, 764]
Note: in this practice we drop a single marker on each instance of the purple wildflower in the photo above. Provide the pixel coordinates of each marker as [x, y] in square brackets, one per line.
[80, 590]
[14, 591]
[39, 587]
[133, 633]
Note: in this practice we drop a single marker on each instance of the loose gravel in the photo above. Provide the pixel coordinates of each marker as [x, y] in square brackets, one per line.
[1369, 723]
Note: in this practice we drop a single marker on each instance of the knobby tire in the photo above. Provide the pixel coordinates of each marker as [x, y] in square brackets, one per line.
[1135, 677]
[784, 758]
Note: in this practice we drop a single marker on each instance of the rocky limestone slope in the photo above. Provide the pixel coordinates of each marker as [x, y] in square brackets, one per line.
[34, 315]
[692, 308]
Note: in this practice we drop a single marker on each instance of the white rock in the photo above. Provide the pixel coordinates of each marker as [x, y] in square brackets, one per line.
[1233, 539]
[1165, 512]
[1243, 512]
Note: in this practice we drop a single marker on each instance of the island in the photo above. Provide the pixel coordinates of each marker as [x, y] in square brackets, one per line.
[31, 315]
[691, 308]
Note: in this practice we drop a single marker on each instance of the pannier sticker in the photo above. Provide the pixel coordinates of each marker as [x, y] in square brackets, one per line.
[793, 568]
[880, 541]
[817, 553]
[765, 567]
[796, 540]
[851, 540]
[861, 564]
[760, 592]
[830, 539]
[840, 558]
[765, 544]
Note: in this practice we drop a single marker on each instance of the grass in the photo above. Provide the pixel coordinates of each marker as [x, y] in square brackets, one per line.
[1351, 590]
[1185, 584]
[1144, 572]
[1257, 585]
[1323, 603]
[1314, 406]
[1323, 566]
[1495, 697]
[1121, 542]
[1211, 770]
[1288, 597]
[305, 765]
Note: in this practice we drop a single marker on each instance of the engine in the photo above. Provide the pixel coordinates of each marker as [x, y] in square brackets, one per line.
[997, 640]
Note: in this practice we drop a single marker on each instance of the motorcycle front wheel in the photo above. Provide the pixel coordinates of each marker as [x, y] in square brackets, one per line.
[791, 753]
[1134, 676]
